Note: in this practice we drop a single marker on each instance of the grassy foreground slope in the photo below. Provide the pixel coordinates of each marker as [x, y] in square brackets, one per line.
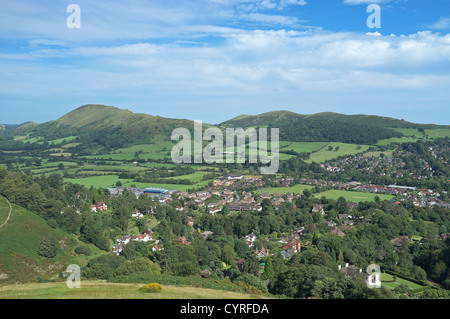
[19, 241]
[104, 290]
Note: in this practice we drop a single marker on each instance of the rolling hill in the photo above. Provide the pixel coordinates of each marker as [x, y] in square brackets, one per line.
[101, 129]
[331, 127]
[100, 126]
[283, 117]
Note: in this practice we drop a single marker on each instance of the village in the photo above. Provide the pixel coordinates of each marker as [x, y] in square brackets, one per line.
[228, 195]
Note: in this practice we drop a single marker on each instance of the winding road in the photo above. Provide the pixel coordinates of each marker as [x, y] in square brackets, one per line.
[9, 214]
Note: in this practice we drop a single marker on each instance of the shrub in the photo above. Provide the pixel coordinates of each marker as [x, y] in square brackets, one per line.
[137, 265]
[52, 223]
[151, 288]
[251, 280]
[48, 248]
[83, 250]
[102, 267]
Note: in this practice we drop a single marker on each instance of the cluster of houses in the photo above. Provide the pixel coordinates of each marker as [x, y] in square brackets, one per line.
[146, 236]
[289, 245]
[230, 181]
[99, 207]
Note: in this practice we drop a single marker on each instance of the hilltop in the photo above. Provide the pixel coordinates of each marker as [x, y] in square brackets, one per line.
[101, 126]
[284, 117]
[330, 127]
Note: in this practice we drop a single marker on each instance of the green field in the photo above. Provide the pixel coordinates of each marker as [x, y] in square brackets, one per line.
[324, 154]
[111, 180]
[413, 132]
[397, 140]
[297, 189]
[302, 147]
[377, 154]
[387, 280]
[179, 187]
[97, 181]
[352, 196]
[435, 133]
[104, 290]
[62, 140]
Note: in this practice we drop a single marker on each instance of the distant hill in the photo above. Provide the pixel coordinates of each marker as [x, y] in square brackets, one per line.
[328, 126]
[285, 117]
[106, 126]
[7, 127]
[100, 128]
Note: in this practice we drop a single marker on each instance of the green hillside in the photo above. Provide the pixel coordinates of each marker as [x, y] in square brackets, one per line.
[99, 128]
[283, 117]
[20, 238]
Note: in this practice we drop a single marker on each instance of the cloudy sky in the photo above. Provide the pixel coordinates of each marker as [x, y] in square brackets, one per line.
[212, 60]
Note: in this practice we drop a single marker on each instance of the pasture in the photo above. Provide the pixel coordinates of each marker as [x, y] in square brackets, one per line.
[339, 149]
[353, 196]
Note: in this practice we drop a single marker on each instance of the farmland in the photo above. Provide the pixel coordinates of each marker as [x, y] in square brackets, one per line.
[297, 189]
[338, 149]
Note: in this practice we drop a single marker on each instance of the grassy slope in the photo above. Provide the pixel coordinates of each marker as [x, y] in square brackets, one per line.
[103, 290]
[19, 242]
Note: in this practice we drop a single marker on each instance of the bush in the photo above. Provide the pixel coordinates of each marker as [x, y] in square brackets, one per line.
[251, 280]
[48, 248]
[102, 267]
[137, 265]
[151, 288]
[83, 250]
[184, 269]
[52, 223]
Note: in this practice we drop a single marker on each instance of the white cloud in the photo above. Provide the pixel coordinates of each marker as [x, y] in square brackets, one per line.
[182, 55]
[356, 2]
[441, 24]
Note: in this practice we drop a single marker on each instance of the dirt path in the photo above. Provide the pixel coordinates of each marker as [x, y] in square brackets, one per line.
[9, 214]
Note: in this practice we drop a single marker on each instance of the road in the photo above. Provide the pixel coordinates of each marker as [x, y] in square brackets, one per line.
[9, 214]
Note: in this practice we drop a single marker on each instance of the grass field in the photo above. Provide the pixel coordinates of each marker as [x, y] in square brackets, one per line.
[397, 140]
[179, 187]
[324, 154]
[97, 181]
[111, 180]
[377, 154]
[353, 196]
[104, 290]
[297, 189]
[435, 133]
[410, 132]
[62, 140]
[387, 280]
[302, 147]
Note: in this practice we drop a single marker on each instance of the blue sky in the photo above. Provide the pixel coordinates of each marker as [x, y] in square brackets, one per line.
[211, 60]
